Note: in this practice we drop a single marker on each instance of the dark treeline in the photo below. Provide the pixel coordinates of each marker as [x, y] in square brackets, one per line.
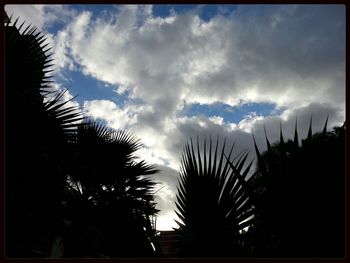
[74, 188]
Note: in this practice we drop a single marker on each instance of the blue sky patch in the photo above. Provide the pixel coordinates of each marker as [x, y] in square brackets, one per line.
[206, 12]
[88, 88]
[229, 113]
[97, 10]
[164, 10]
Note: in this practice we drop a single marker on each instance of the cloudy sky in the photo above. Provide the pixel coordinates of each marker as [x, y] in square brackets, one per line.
[169, 73]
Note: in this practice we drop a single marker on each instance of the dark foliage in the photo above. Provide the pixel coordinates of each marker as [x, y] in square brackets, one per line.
[213, 203]
[301, 203]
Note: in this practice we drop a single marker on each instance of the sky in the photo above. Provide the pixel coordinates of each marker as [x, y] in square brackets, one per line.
[169, 73]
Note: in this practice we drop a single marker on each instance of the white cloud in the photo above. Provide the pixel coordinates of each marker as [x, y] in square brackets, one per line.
[242, 57]
[285, 54]
[217, 120]
[60, 52]
[116, 117]
[247, 123]
[150, 156]
[165, 197]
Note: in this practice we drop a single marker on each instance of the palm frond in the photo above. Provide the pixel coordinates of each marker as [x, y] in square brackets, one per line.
[325, 127]
[296, 140]
[212, 201]
[267, 140]
[281, 135]
[309, 133]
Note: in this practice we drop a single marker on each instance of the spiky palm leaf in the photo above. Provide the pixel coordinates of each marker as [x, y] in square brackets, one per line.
[27, 78]
[213, 202]
[299, 180]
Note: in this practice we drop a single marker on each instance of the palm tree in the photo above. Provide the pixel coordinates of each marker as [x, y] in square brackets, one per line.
[67, 180]
[36, 132]
[64, 178]
[213, 203]
[301, 207]
[110, 198]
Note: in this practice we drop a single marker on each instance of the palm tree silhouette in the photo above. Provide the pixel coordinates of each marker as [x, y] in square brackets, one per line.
[110, 197]
[213, 203]
[65, 179]
[301, 209]
[36, 133]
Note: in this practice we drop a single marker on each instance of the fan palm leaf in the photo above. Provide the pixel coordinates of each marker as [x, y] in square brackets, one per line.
[212, 202]
[118, 189]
